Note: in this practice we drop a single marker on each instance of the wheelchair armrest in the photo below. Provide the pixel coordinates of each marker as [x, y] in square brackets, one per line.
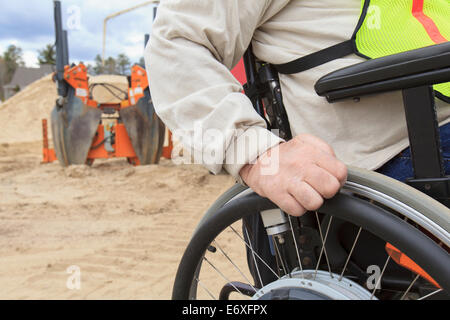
[424, 66]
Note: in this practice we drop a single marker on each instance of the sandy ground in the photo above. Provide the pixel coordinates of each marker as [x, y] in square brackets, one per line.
[124, 227]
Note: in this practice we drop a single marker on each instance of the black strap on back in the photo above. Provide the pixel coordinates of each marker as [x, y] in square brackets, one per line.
[317, 58]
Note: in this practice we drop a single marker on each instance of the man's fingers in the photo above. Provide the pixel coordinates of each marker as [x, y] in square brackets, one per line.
[288, 204]
[305, 194]
[325, 159]
[334, 166]
[322, 181]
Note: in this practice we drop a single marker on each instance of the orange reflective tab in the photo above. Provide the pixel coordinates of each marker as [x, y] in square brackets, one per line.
[403, 260]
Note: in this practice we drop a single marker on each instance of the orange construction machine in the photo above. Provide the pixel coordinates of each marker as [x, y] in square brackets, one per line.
[84, 129]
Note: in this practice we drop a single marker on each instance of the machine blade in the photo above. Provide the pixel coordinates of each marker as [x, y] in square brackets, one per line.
[145, 129]
[74, 126]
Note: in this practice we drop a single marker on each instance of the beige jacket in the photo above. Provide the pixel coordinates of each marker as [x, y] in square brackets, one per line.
[194, 44]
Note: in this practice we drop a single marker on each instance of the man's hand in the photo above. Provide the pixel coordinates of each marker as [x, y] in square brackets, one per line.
[307, 173]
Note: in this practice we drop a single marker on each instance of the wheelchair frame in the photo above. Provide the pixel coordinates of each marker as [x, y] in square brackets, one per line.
[264, 91]
[420, 111]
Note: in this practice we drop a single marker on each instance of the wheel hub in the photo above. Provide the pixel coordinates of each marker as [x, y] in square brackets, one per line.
[309, 285]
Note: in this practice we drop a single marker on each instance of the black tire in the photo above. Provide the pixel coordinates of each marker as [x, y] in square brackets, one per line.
[382, 223]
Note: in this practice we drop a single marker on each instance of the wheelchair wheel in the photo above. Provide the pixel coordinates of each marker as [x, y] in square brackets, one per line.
[377, 239]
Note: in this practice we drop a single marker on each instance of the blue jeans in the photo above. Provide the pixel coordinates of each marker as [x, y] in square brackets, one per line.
[400, 167]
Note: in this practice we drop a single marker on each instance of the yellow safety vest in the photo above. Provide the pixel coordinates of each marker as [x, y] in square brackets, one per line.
[387, 27]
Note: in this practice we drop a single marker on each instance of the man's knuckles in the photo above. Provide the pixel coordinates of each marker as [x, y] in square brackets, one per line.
[305, 194]
[341, 172]
[330, 188]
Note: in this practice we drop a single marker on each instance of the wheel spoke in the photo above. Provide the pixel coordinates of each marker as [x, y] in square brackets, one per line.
[231, 261]
[410, 286]
[223, 276]
[296, 246]
[379, 279]
[430, 294]
[205, 288]
[323, 245]
[253, 255]
[253, 252]
[350, 253]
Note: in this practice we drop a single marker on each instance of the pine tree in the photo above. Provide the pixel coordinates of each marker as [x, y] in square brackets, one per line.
[12, 58]
[47, 55]
[123, 64]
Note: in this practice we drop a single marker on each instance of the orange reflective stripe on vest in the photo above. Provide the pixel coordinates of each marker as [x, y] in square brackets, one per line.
[427, 22]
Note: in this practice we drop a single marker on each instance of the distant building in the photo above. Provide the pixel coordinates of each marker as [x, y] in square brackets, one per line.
[23, 77]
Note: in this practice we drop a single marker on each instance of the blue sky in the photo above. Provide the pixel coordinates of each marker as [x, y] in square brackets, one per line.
[29, 25]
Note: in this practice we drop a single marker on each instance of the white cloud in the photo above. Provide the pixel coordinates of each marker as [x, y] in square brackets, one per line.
[30, 58]
[135, 52]
[33, 26]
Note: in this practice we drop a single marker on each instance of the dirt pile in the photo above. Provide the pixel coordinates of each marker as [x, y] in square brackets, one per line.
[21, 115]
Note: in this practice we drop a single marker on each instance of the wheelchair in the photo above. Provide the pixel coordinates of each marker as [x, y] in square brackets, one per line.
[378, 238]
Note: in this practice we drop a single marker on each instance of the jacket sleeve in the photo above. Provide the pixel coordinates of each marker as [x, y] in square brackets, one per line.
[193, 46]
